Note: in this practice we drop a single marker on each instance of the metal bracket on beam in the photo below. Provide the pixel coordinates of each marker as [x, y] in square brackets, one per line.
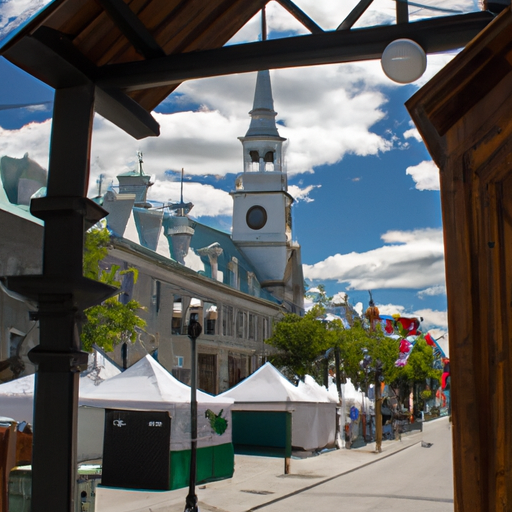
[73, 361]
[46, 207]
[47, 288]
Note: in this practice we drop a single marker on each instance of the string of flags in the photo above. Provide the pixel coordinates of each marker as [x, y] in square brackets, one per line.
[409, 332]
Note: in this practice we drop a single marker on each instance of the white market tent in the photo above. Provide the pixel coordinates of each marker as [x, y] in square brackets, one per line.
[147, 386]
[313, 415]
[17, 396]
[311, 388]
[354, 397]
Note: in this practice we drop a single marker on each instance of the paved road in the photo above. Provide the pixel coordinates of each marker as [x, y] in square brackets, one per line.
[418, 478]
[405, 476]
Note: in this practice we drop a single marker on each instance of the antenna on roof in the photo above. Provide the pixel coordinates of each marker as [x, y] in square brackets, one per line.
[181, 209]
[99, 182]
[141, 161]
[182, 171]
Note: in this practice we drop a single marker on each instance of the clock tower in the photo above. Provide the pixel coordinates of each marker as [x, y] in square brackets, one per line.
[262, 227]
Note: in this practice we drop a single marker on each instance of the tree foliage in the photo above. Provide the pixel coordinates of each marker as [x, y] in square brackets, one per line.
[300, 341]
[304, 345]
[111, 322]
[351, 343]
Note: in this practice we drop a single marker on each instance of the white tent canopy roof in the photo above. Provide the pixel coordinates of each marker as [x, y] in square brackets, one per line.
[316, 392]
[267, 384]
[143, 383]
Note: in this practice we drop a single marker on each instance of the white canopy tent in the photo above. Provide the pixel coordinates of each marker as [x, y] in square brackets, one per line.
[147, 386]
[313, 412]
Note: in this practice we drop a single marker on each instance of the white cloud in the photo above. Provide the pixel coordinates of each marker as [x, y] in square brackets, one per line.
[327, 112]
[208, 201]
[302, 194]
[410, 259]
[425, 175]
[33, 138]
[15, 12]
[413, 133]
[434, 290]
[432, 318]
[390, 309]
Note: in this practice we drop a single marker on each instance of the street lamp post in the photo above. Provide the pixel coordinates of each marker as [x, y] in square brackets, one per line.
[378, 406]
[194, 331]
[365, 366]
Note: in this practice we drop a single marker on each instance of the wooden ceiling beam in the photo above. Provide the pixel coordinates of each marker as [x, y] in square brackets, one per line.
[132, 28]
[301, 16]
[354, 14]
[434, 35]
[402, 11]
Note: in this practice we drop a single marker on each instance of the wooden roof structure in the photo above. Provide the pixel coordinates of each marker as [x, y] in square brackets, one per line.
[122, 58]
[137, 52]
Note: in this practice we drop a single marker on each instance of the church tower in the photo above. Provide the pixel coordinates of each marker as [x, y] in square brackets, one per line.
[262, 205]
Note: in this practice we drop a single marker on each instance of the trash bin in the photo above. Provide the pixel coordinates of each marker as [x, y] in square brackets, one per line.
[20, 488]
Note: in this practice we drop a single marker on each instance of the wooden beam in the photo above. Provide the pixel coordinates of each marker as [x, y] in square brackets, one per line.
[126, 113]
[473, 149]
[52, 58]
[434, 35]
[300, 16]
[132, 28]
[402, 11]
[354, 15]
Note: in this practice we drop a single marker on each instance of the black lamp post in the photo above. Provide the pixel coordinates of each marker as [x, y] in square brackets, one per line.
[365, 366]
[194, 331]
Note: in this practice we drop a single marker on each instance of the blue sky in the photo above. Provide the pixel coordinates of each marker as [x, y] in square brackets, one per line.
[367, 211]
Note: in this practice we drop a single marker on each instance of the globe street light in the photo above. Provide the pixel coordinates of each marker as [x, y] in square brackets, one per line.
[403, 61]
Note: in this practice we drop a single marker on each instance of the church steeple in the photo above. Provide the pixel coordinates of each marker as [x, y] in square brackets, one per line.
[263, 147]
[263, 115]
[262, 205]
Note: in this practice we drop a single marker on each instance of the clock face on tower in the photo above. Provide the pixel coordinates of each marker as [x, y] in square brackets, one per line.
[256, 217]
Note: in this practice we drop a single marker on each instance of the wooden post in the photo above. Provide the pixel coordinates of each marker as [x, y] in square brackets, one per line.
[464, 114]
[62, 294]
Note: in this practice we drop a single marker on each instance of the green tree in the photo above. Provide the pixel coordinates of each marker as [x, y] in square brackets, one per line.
[351, 343]
[300, 343]
[111, 322]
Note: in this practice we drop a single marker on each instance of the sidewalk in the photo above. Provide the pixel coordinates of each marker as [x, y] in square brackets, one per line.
[257, 480]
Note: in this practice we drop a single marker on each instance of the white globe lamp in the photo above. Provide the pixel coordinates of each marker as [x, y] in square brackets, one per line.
[403, 61]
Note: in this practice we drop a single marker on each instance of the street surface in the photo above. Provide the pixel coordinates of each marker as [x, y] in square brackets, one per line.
[418, 479]
[405, 476]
